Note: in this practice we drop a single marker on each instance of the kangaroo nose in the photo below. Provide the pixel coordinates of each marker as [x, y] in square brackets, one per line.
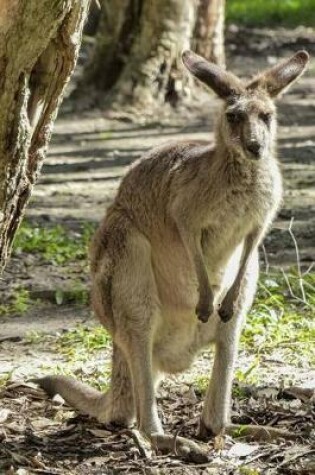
[254, 148]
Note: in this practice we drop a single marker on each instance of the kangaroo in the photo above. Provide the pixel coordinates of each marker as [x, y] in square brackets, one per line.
[181, 239]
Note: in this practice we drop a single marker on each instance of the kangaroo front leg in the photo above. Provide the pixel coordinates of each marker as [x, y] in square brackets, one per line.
[215, 414]
[227, 308]
[192, 243]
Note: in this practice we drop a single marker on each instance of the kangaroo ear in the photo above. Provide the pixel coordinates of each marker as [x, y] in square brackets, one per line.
[276, 79]
[224, 84]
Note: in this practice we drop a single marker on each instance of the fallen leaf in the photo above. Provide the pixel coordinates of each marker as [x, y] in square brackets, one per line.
[190, 396]
[100, 433]
[59, 400]
[42, 423]
[242, 450]
[219, 442]
[267, 392]
[4, 414]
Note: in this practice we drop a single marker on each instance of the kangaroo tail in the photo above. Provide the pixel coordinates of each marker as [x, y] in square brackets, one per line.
[78, 395]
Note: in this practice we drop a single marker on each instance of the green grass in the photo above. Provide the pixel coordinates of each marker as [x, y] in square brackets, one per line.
[83, 341]
[55, 245]
[19, 302]
[243, 470]
[52, 245]
[78, 346]
[283, 318]
[268, 13]
[78, 293]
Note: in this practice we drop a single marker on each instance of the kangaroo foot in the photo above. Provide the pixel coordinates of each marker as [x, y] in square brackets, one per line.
[182, 447]
[204, 432]
[260, 433]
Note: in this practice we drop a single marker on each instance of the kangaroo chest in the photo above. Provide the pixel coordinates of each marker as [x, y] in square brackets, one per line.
[240, 209]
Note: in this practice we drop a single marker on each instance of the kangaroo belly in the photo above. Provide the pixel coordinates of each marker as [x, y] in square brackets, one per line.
[178, 339]
[179, 335]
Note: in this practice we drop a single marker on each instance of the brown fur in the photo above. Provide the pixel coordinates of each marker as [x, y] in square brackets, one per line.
[181, 238]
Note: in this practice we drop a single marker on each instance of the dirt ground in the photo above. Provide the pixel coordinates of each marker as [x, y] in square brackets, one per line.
[88, 156]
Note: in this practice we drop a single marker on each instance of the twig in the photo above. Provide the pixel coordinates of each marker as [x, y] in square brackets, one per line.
[293, 295]
[298, 260]
[175, 438]
[287, 343]
[266, 259]
[308, 270]
[267, 452]
[296, 456]
[305, 394]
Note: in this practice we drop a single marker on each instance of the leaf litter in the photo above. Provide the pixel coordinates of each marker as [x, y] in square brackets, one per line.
[39, 435]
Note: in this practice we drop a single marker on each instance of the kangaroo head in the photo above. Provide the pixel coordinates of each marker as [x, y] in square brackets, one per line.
[248, 122]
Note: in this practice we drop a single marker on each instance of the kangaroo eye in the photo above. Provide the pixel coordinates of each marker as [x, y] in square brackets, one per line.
[265, 118]
[234, 117]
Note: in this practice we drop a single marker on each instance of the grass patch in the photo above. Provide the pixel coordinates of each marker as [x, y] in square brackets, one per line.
[267, 13]
[282, 318]
[5, 378]
[19, 302]
[201, 383]
[79, 347]
[55, 245]
[78, 294]
[82, 341]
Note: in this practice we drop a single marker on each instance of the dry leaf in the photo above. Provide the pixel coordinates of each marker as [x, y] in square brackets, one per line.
[58, 399]
[100, 433]
[242, 450]
[219, 442]
[4, 414]
[42, 423]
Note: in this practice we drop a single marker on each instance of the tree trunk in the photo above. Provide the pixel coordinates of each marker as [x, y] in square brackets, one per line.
[209, 31]
[138, 47]
[39, 43]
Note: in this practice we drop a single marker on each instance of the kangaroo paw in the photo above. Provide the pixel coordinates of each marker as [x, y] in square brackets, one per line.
[204, 310]
[226, 310]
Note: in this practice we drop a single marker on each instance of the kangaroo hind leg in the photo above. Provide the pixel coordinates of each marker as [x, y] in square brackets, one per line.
[136, 313]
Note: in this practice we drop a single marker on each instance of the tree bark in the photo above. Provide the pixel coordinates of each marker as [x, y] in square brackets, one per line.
[138, 47]
[39, 43]
[209, 31]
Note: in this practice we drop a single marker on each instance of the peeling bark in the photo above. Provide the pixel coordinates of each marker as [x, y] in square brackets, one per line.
[39, 43]
[138, 48]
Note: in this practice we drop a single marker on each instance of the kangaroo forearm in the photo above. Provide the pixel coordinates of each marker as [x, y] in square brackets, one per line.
[227, 307]
[192, 241]
[251, 243]
[204, 285]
